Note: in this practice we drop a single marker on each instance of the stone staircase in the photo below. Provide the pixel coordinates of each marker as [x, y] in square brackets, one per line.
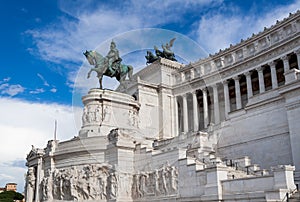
[203, 154]
[294, 197]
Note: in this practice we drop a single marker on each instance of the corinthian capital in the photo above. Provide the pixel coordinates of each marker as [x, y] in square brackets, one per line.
[285, 57]
[272, 64]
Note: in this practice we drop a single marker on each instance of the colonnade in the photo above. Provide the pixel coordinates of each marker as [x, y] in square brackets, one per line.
[231, 91]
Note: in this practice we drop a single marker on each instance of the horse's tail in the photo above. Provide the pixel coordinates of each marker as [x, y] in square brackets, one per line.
[130, 72]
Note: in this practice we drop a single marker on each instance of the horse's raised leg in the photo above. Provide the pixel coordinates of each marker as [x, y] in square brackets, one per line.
[89, 73]
[100, 82]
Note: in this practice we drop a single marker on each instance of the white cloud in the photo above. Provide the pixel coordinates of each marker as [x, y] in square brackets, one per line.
[5, 177]
[11, 90]
[92, 24]
[229, 25]
[23, 124]
[43, 79]
[53, 90]
[37, 91]
[5, 80]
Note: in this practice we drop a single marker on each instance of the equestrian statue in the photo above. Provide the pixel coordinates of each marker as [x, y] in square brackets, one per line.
[110, 65]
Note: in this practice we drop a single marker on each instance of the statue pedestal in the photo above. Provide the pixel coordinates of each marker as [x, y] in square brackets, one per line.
[105, 110]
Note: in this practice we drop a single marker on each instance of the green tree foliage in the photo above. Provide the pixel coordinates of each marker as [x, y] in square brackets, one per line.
[10, 196]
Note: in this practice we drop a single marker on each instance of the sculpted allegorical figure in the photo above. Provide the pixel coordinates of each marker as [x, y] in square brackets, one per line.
[166, 53]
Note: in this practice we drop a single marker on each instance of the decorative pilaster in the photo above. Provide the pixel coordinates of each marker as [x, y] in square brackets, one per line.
[226, 98]
[216, 104]
[195, 111]
[273, 74]
[286, 65]
[261, 79]
[185, 113]
[249, 84]
[205, 107]
[237, 92]
[297, 52]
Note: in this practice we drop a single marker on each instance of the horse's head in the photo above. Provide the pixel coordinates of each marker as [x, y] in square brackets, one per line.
[89, 57]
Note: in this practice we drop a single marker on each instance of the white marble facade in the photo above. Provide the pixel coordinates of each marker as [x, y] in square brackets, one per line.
[224, 128]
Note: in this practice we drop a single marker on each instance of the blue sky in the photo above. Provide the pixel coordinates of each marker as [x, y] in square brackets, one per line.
[42, 62]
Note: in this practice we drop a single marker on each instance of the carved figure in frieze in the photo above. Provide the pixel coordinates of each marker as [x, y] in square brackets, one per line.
[84, 116]
[123, 180]
[98, 114]
[173, 178]
[102, 187]
[56, 184]
[83, 189]
[30, 184]
[142, 183]
[46, 185]
[157, 180]
[136, 192]
[164, 179]
[73, 183]
[113, 186]
[90, 117]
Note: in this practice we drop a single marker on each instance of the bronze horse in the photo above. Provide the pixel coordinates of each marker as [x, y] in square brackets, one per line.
[101, 67]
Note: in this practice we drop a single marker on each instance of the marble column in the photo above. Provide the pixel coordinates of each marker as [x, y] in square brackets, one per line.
[205, 107]
[297, 52]
[286, 64]
[192, 72]
[182, 76]
[38, 178]
[261, 79]
[216, 104]
[273, 74]
[226, 98]
[249, 84]
[185, 113]
[176, 128]
[237, 92]
[195, 111]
